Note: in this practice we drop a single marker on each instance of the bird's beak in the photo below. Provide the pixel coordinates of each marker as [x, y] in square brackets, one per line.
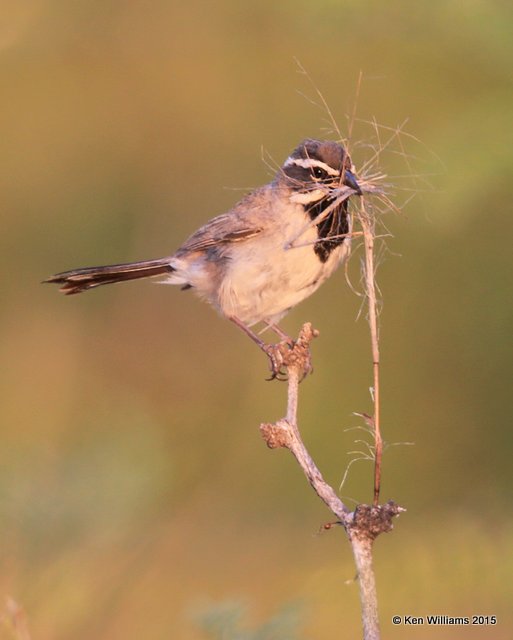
[350, 181]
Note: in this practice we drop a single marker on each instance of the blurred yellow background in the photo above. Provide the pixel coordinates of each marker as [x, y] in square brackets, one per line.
[134, 485]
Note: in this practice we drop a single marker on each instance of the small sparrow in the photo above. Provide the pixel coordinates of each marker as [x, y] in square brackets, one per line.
[272, 250]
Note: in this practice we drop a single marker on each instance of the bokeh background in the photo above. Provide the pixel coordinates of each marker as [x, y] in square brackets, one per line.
[135, 490]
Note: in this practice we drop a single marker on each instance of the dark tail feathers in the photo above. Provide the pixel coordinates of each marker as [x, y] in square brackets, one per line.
[79, 280]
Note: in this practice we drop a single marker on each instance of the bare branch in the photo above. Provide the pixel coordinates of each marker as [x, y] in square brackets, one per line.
[364, 524]
[285, 432]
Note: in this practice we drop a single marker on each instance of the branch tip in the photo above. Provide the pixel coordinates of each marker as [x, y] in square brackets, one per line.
[296, 355]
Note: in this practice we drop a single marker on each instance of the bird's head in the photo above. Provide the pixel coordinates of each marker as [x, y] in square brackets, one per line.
[316, 167]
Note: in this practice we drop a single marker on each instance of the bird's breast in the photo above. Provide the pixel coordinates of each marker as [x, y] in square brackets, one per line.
[274, 271]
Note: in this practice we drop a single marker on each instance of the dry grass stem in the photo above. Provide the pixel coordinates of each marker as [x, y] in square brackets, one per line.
[368, 226]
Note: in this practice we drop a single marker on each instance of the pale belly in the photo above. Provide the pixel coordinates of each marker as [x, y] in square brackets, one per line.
[263, 282]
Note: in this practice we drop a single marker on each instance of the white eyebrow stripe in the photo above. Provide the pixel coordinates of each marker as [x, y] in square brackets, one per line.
[310, 197]
[308, 163]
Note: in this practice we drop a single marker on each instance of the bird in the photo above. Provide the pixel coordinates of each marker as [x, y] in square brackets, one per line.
[264, 256]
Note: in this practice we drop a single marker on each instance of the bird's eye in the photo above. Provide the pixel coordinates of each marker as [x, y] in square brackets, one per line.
[319, 173]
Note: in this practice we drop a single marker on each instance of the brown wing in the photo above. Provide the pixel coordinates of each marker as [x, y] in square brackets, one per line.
[223, 229]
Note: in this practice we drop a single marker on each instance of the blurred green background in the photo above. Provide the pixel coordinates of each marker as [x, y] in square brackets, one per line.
[134, 485]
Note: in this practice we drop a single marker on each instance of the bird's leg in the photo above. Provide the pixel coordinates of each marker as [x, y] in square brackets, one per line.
[272, 351]
[280, 333]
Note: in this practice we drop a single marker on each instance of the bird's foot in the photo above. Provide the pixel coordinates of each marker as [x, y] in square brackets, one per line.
[287, 353]
[290, 353]
[277, 354]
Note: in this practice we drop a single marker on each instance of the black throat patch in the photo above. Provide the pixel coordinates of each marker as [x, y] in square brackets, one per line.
[332, 230]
